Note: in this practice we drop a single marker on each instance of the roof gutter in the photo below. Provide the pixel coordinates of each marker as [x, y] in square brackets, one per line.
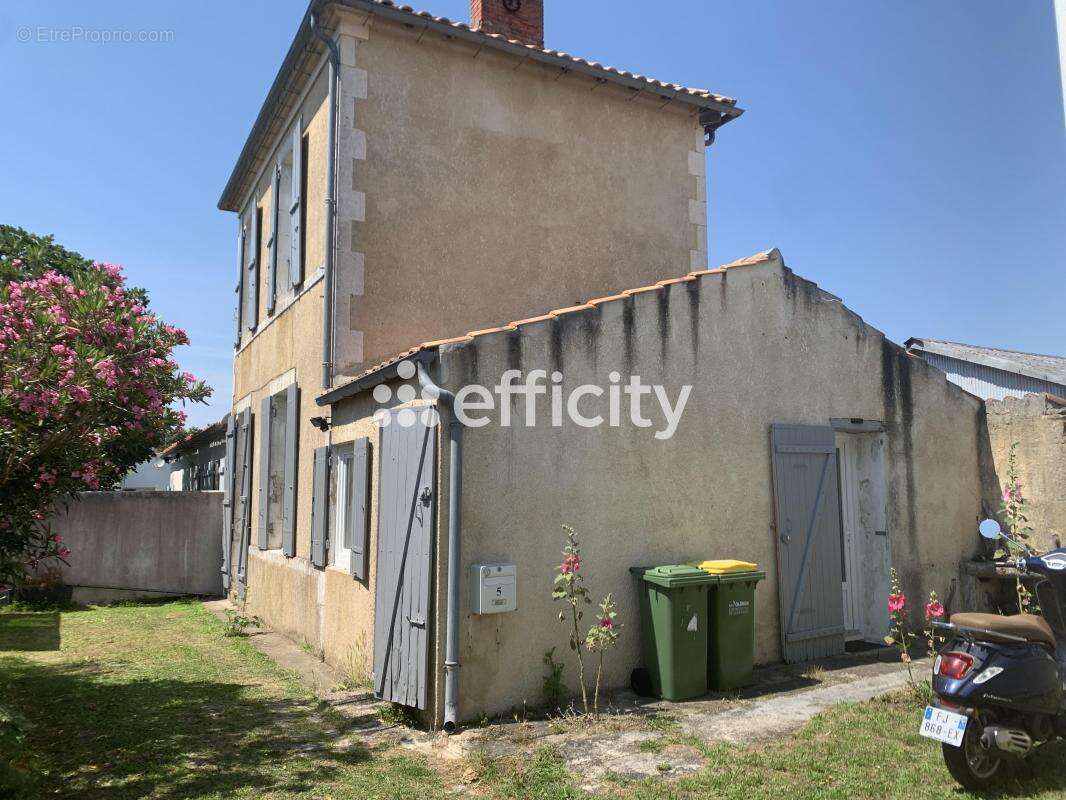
[331, 204]
[384, 374]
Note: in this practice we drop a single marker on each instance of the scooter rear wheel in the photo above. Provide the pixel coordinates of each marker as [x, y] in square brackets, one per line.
[973, 765]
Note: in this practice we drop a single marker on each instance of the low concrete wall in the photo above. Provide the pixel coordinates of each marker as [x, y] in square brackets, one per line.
[142, 544]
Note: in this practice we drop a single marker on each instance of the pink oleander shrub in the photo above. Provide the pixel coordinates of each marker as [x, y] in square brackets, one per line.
[87, 387]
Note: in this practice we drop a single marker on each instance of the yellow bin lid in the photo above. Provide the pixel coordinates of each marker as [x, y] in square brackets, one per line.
[725, 566]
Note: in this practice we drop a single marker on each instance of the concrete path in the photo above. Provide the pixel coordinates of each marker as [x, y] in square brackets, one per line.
[774, 717]
[637, 738]
[642, 738]
[328, 684]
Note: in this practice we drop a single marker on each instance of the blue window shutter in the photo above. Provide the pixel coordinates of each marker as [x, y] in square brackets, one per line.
[296, 256]
[253, 269]
[227, 499]
[263, 539]
[320, 507]
[246, 492]
[272, 266]
[292, 438]
[240, 277]
[359, 514]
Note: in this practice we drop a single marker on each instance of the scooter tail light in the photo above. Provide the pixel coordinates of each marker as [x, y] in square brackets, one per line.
[955, 665]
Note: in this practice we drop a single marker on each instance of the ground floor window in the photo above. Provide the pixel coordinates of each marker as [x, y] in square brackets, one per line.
[340, 511]
[348, 506]
[272, 431]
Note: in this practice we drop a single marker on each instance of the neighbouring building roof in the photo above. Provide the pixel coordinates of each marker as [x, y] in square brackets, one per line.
[718, 109]
[194, 440]
[386, 370]
[1032, 365]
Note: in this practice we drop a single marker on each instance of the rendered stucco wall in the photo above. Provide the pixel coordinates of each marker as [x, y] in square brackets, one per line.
[1038, 426]
[478, 183]
[143, 543]
[466, 190]
[759, 345]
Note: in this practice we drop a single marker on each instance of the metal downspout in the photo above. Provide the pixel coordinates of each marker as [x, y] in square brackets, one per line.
[455, 531]
[331, 206]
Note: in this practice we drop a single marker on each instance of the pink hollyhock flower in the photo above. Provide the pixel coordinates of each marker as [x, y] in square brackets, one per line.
[934, 610]
[896, 602]
[571, 564]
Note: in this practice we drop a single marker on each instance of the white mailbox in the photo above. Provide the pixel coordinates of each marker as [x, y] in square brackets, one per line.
[495, 588]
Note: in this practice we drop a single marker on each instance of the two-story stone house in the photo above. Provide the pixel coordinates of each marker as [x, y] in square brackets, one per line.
[407, 177]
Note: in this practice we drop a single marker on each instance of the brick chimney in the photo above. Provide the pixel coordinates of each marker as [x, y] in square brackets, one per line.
[516, 19]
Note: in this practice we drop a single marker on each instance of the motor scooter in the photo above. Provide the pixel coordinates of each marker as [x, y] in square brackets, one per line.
[999, 679]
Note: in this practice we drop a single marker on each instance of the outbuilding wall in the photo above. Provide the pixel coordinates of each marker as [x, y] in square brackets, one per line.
[1037, 425]
[759, 345]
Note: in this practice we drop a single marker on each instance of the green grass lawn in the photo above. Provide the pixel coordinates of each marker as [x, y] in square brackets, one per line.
[152, 700]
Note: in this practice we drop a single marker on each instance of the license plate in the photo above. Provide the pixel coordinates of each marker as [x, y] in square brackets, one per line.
[944, 726]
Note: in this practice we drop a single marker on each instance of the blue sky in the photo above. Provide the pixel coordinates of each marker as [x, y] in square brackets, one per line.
[908, 156]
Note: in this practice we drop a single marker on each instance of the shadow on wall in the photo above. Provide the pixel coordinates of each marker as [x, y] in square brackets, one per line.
[991, 488]
[167, 738]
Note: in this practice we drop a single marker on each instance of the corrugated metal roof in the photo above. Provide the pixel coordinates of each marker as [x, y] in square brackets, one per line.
[282, 90]
[1033, 365]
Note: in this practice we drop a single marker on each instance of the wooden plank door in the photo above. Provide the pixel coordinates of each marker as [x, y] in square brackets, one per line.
[851, 534]
[807, 515]
[406, 503]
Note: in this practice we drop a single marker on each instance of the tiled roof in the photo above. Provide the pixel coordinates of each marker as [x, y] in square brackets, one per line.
[194, 439]
[355, 384]
[688, 90]
[719, 108]
[1032, 365]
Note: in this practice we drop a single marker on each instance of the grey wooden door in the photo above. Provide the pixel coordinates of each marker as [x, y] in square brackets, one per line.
[406, 503]
[227, 499]
[807, 514]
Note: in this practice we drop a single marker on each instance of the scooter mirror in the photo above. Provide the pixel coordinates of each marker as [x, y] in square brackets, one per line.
[990, 529]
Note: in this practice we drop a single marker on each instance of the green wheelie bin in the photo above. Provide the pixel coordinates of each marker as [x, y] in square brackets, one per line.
[731, 641]
[673, 628]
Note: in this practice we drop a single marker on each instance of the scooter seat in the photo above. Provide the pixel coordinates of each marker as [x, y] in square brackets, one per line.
[1028, 626]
